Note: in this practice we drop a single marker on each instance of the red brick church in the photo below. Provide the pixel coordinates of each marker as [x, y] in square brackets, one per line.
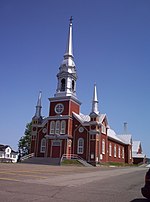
[67, 131]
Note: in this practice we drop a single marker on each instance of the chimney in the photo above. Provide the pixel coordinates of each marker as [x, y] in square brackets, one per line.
[125, 127]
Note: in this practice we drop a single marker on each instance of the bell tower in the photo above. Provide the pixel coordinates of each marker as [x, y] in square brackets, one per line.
[65, 100]
[67, 75]
[63, 104]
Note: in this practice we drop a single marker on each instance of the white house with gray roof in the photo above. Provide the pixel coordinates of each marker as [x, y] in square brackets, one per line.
[7, 154]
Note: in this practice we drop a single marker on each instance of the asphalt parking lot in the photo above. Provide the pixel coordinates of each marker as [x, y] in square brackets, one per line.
[29, 182]
[20, 172]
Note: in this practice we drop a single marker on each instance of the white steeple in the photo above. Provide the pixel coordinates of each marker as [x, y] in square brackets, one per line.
[69, 48]
[67, 71]
[95, 101]
[38, 106]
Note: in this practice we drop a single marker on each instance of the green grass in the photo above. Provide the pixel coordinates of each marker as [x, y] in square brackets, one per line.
[117, 164]
[71, 162]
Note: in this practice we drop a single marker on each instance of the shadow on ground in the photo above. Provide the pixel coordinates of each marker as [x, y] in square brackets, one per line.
[140, 200]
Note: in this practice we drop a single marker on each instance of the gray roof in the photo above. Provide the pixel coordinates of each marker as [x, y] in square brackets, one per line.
[135, 155]
[111, 134]
[126, 138]
[85, 119]
[135, 146]
[3, 147]
[82, 118]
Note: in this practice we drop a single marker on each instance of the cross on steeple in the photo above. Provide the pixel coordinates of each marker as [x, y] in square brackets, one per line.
[71, 19]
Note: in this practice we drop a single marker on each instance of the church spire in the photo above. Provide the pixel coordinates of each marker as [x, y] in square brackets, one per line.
[67, 75]
[95, 101]
[69, 48]
[38, 106]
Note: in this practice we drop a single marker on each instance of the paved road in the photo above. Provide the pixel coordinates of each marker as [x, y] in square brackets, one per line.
[26, 182]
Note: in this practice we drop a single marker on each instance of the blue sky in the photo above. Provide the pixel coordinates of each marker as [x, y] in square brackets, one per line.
[111, 45]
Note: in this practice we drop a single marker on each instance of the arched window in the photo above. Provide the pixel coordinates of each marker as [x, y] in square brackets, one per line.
[63, 84]
[103, 129]
[130, 154]
[57, 127]
[115, 151]
[52, 127]
[73, 85]
[119, 151]
[80, 149]
[63, 127]
[43, 145]
[123, 152]
[110, 149]
[103, 146]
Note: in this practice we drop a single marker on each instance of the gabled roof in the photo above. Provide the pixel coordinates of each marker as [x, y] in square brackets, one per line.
[111, 134]
[102, 117]
[126, 138]
[3, 147]
[81, 117]
[135, 146]
[85, 119]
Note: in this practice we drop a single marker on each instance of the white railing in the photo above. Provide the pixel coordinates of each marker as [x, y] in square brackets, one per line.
[26, 157]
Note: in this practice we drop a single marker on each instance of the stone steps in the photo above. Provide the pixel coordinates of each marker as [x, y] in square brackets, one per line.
[42, 160]
[84, 163]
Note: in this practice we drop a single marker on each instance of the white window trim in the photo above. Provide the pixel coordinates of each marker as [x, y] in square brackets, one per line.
[119, 152]
[110, 149]
[130, 153]
[56, 143]
[103, 129]
[57, 127]
[103, 146]
[63, 127]
[52, 127]
[115, 151]
[123, 152]
[80, 149]
[43, 145]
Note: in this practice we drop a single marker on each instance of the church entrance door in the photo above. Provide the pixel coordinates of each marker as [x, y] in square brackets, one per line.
[56, 149]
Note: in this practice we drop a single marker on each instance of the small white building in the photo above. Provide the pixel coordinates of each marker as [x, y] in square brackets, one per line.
[7, 154]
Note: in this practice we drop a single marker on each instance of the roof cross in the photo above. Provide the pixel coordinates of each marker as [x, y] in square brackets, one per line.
[71, 19]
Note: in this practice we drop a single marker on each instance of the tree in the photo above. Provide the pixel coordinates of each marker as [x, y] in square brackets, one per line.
[25, 141]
